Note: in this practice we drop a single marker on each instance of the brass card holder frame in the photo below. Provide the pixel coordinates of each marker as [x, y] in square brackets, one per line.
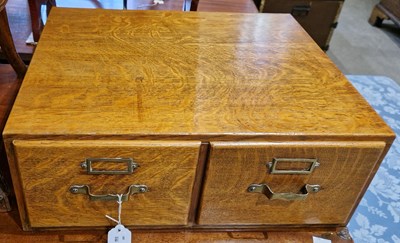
[313, 163]
[130, 166]
[85, 190]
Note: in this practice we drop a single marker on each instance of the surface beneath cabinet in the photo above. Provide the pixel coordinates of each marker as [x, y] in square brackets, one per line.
[10, 232]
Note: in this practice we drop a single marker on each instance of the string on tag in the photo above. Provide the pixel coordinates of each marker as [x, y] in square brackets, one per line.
[119, 210]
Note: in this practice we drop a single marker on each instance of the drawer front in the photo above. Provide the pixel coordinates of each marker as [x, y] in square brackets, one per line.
[316, 17]
[337, 171]
[48, 169]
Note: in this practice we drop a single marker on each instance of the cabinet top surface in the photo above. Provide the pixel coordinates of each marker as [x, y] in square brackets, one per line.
[112, 72]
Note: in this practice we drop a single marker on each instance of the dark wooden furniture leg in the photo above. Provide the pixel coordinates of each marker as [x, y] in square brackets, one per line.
[36, 15]
[377, 16]
[9, 85]
[385, 9]
[7, 45]
[36, 18]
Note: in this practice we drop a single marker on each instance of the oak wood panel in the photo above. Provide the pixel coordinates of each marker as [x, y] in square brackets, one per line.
[48, 168]
[185, 73]
[342, 173]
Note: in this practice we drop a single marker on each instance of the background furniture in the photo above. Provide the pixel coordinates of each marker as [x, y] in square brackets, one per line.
[317, 17]
[20, 25]
[236, 6]
[385, 9]
[37, 19]
[10, 80]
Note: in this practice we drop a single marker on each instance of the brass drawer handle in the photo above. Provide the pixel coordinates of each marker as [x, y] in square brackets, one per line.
[288, 196]
[130, 166]
[85, 189]
[308, 168]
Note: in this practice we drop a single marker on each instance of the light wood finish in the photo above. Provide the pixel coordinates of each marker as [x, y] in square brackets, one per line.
[158, 76]
[235, 80]
[167, 168]
[234, 166]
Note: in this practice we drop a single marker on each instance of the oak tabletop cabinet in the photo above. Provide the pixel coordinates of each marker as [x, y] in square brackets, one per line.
[201, 121]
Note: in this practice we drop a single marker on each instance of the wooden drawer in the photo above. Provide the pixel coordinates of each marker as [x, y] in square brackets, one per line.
[318, 17]
[49, 168]
[343, 172]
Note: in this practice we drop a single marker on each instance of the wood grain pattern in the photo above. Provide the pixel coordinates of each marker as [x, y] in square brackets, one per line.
[344, 167]
[48, 168]
[106, 79]
[231, 79]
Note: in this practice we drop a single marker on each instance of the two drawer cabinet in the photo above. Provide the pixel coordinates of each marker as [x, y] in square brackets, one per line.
[197, 121]
[318, 17]
[74, 183]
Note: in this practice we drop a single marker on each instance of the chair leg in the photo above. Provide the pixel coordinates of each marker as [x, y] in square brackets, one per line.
[377, 17]
[8, 47]
[49, 5]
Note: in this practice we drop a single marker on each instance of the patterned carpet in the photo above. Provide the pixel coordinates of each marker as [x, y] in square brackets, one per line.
[377, 218]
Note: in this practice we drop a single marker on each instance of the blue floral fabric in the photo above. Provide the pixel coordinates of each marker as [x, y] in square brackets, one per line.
[377, 218]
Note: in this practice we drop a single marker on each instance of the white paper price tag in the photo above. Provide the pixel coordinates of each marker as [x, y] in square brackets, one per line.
[320, 240]
[119, 234]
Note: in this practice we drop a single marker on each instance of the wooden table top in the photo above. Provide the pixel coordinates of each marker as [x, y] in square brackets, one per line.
[192, 75]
